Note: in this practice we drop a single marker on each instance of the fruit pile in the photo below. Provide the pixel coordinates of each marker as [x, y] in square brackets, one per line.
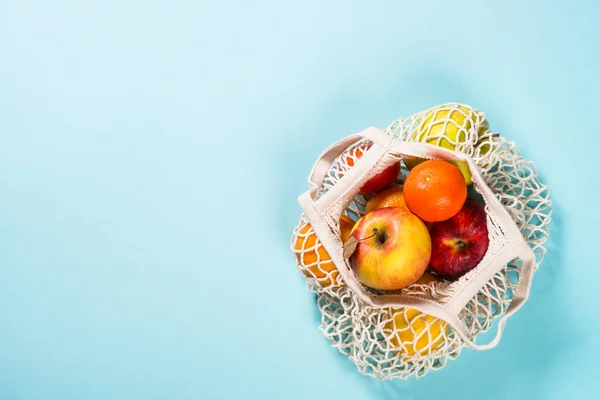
[428, 221]
[411, 258]
[429, 228]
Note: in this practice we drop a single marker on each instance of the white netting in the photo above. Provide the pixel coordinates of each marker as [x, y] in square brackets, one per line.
[399, 342]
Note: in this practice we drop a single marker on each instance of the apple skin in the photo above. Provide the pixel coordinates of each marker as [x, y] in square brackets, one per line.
[390, 197]
[397, 255]
[459, 243]
[380, 181]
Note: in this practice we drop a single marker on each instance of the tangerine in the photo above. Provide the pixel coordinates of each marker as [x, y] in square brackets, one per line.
[312, 256]
[447, 126]
[435, 190]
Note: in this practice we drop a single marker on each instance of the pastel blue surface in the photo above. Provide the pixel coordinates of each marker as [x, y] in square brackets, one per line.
[152, 152]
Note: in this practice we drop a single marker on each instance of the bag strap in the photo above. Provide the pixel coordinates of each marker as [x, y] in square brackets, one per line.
[430, 307]
[323, 163]
[520, 296]
[444, 313]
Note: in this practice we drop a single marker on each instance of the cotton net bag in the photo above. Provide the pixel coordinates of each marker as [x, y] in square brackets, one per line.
[410, 331]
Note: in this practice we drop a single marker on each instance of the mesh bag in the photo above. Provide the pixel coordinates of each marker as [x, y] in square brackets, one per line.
[407, 332]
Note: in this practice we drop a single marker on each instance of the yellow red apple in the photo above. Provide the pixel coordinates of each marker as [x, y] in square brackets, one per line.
[459, 243]
[390, 197]
[393, 248]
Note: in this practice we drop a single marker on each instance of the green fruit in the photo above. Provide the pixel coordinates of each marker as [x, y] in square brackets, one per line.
[484, 142]
[445, 127]
[464, 168]
[413, 162]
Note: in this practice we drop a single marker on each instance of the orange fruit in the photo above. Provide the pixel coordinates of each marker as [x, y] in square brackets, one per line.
[380, 181]
[313, 257]
[435, 190]
[346, 225]
[390, 197]
[446, 126]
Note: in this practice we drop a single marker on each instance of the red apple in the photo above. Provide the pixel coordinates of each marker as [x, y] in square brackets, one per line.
[393, 248]
[380, 181]
[459, 243]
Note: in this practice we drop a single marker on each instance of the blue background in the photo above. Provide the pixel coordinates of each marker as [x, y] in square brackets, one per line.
[152, 152]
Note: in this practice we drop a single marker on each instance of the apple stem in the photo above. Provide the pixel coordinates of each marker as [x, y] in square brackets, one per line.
[375, 232]
[460, 244]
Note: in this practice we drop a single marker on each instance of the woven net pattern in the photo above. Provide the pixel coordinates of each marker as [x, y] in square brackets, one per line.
[389, 343]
